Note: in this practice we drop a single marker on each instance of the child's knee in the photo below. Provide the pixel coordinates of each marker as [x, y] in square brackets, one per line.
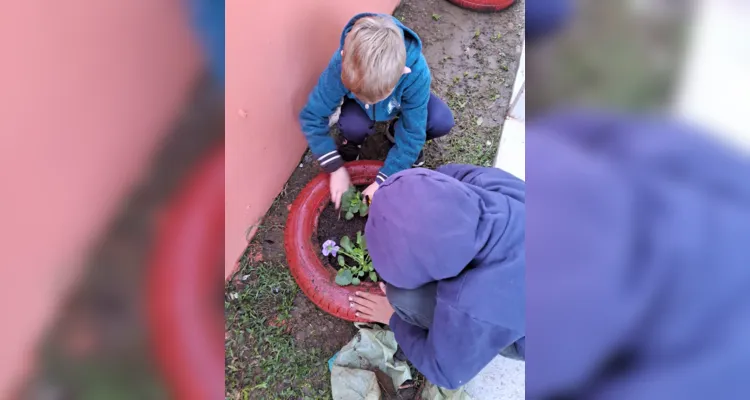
[354, 130]
[441, 121]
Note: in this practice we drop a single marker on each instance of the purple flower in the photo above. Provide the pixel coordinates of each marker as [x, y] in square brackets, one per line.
[330, 248]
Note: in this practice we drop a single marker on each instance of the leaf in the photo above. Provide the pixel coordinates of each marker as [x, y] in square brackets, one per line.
[346, 199]
[355, 281]
[349, 215]
[361, 273]
[359, 238]
[436, 17]
[373, 276]
[341, 261]
[354, 208]
[346, 243]
[363, 245]
[363, 209]
[344, 277]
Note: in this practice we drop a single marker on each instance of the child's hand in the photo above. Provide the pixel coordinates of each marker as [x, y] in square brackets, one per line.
[370, 191]
[339, 182]
[372, 307]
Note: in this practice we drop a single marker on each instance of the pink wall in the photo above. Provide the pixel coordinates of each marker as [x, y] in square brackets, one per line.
[108, 74]
[275, 53]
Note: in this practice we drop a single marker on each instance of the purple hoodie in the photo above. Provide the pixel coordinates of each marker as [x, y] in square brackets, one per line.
[462, 226]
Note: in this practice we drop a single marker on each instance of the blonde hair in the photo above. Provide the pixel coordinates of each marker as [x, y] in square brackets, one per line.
[374, 58]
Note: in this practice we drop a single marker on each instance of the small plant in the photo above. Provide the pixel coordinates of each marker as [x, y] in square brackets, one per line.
[436, 17]
[353, 203]
[362, 268]
[477, 33]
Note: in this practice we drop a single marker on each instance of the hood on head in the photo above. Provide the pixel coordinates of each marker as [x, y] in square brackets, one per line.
[412, 41]
[424, 226]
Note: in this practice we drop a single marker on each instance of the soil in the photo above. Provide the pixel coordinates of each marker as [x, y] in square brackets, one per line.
[310, 330]
[333, 226]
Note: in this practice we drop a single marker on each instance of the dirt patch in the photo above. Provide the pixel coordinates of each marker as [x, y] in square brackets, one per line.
[327, 334]
[473, 58]
[333, 226]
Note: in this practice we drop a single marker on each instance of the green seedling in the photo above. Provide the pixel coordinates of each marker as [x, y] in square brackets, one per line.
[477, 33]
[362, 268]
[436, 17]
[352, 204]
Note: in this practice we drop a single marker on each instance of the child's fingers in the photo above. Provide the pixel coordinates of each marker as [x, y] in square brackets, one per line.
[371, 297]
[360, 308]
[362, 301]
[365, 315]
[337, 199]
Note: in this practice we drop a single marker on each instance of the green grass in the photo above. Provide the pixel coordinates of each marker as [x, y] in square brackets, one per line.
[262, 361]
[473, 148]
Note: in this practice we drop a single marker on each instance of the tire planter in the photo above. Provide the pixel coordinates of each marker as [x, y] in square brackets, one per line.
[185, 326]
[484, 5]
[315, 278]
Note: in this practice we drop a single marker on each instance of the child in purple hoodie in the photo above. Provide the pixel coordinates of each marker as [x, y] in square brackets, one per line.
[450, 246]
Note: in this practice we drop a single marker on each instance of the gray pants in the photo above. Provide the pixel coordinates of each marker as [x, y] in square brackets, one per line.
[417, 307]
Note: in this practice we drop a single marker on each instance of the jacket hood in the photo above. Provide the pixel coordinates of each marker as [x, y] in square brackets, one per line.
[412, 41]
[426, 226]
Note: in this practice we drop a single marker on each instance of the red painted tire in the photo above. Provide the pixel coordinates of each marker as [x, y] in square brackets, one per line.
[315, 278]
[484, 5]
[185, 326]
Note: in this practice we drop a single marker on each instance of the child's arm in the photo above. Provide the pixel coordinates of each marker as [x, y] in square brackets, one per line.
[411, 128]
[455, 348]
[321, 103]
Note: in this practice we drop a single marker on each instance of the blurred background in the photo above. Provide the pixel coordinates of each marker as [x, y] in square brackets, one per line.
[620, 54]
[638, 199]
[109, 110]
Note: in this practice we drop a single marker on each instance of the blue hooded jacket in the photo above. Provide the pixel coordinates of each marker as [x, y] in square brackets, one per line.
[409, 98]
[462, 227]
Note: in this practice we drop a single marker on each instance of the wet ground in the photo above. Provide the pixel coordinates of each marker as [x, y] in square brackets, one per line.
[473, 58]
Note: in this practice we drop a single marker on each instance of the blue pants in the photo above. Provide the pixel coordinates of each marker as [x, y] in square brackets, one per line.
[355, 125]
[417, 307]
